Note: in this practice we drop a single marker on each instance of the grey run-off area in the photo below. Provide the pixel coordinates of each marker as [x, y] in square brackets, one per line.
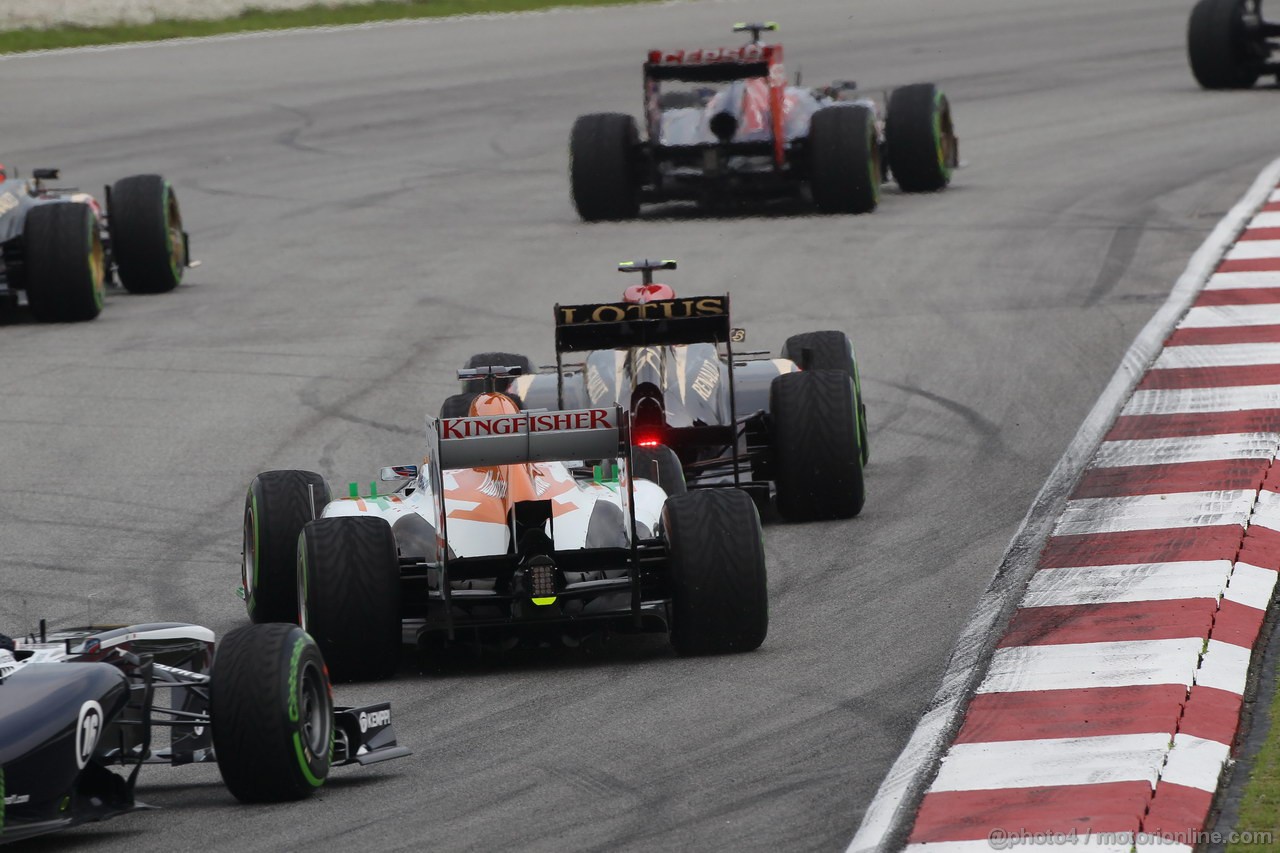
[374, 205]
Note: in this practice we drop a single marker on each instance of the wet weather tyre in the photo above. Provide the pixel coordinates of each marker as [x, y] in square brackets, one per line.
[602, 172]
[349, 585]
[920, 138]
[276, 507]
[660, 465]
[65, 263]
[844, 160]
[147, 241]
[816, 457]
[271, 712]
[718, 584]
[1221, 52]
[495, 359]
[831, 351]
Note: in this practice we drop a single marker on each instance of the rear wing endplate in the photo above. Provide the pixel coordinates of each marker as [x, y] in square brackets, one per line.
[669, 322]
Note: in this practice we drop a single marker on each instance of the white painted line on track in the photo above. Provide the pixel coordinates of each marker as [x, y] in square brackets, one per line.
[1200, 448]
[1240, 280]
[1266, 219]
[1218, 355]
[1224, 666]
[1195, 762]
[1079, 665]
[1214, 316]
[1174, 401]
[888, 818]
[1123, 524]
[1060, 761]
[1251, 586]
[1127, 583]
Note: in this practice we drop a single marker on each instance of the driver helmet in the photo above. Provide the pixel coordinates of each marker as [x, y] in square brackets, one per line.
[3, 173]
[642, 293]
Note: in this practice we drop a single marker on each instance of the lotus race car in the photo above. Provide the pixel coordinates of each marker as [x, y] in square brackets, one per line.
[62, 248]
[1230, 45]
[723, 123]
[793, 427]
[547, 526]
[75, 704]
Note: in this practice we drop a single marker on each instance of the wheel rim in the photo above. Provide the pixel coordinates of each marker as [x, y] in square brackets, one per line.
[173, 234]
[249, 562]
[97, 265]
[313, 716]
[304, 620]
[943, 135]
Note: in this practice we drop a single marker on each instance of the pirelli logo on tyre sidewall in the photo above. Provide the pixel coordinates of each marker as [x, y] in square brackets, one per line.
[662, 309]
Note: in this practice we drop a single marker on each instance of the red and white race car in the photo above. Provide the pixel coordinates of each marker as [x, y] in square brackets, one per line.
[723, 123]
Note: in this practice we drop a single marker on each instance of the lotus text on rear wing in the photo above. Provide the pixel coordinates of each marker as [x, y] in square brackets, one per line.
[663, 309]
[452, 428]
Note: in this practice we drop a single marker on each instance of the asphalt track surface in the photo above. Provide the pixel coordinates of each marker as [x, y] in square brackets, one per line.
[374, 205]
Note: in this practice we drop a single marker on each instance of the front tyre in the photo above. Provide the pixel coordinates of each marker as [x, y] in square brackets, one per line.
[271, 709]
[844, 160]
[147, 240]
[276, 507]
[66, 262]
[718, 584]
[816, 458]
[1222, 51]
[602, 173]
[349, 586]
[920, 138]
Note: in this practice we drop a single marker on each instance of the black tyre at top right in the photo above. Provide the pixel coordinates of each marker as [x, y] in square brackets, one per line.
[65, 263]
[147, 241]
[1222, 52]
[349, 588]
[844, 160]
[920, 138]
[817, 463]
[602, 168]
[271, 710]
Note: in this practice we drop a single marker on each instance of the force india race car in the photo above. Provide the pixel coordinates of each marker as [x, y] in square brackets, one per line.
[545, 526]
[75, 704]
[723, 122]
[792, 427]
[62, 248]
[1229, 44]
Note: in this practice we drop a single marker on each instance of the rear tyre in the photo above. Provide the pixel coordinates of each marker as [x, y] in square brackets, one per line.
[602, 173]
[66, 263]
[831, 351]
[349, 586]
[920, 138]
[817, 462]
[844, 160]
[719, 587]
[276, 507]
[271, 710]
[495, 359]
[1221, 51]
[147, 241]
[660, 465]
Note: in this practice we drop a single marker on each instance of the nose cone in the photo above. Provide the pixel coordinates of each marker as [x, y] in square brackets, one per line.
[640, 293]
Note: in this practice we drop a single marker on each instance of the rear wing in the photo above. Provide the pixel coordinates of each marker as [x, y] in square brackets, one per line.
[524, 437]
[617, 325]
[714, 65]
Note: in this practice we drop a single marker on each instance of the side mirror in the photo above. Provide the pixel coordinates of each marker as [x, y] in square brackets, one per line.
[45, 174]
[395, 473]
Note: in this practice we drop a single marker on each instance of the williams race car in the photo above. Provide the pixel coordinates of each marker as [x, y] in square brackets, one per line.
[1229, 44]
[792, 427]
[62, 248]
[723, 123]
[76, 704]
[517, 525]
